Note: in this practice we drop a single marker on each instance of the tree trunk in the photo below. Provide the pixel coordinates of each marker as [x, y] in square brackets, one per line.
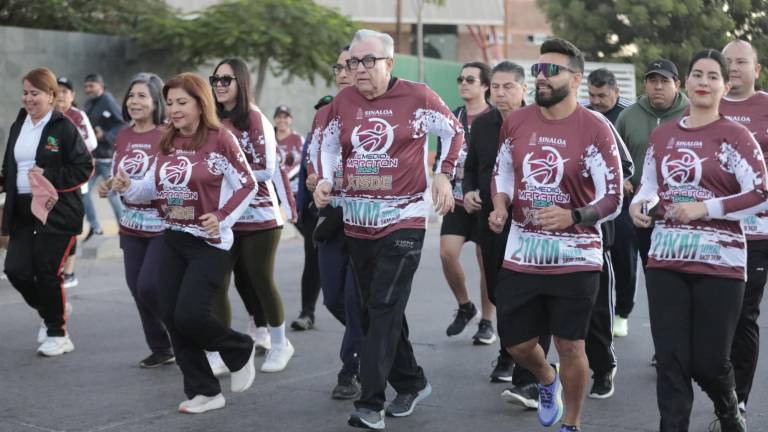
[260, 78]
[420, 38]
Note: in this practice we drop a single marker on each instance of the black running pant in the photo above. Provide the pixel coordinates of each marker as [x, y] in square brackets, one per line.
[746, 342]
[624, 256]
[34, 264]
[693, 320]
[310, 277]
[192, 272]
[384, 269]
[599, 341]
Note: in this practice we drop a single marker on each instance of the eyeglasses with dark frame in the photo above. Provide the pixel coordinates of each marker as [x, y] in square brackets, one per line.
[548, 69]
[469, 79]
[338, 67]
[368, 61]
[225, 80]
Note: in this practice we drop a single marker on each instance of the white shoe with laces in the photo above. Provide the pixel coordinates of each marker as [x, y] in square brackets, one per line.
[200, 404]
[278, 357]
[56, 346]
[217, 363]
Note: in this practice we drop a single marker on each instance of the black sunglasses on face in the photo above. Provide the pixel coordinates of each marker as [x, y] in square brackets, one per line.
[548, 69]
[337, 68]
[368, 61]
[225, 80]
[469, 79]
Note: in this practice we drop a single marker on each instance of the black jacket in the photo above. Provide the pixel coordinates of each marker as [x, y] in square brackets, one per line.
[105, 113]
[66, 163]
[461, 114]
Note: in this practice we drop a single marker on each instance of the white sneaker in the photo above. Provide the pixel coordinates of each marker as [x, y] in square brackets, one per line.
[70, 281]
[56, 346]
[200, 404]
[620, 326]
[217, 364]
[42, 333]
[261, 338]
[243, 379]
[278, 357]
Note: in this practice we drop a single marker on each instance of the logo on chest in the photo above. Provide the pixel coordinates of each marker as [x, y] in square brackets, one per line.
[545, 169]
[682, 168]
[176, 173]
[373, 137]
[135, 164]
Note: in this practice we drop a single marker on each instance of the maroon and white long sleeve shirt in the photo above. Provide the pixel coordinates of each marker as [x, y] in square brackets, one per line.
[382, 147]
[135, 154]
[260, 148]
[719, 164]
[313, 154]
[753, 114]
[191, 183]
[571, 163]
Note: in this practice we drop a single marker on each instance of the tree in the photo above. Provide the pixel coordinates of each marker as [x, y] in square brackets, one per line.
[419, 5]
[297, 38]
[103, 16]
[638, 31]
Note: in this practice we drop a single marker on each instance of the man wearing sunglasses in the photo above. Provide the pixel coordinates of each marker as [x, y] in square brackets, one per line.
[377, 130]
[558, 177]
[460, 226]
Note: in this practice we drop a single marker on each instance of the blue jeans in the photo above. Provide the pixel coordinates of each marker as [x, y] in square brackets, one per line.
[104, 170]
[340, 296]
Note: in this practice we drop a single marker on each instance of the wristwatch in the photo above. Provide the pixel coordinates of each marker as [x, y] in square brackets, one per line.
[576, 216]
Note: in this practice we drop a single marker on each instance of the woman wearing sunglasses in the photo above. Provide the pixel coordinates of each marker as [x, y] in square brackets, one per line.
[141, 226]
[706, 173]
[257, 231]
[202, 184]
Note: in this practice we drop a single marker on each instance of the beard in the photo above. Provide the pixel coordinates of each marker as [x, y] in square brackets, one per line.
[556, 96]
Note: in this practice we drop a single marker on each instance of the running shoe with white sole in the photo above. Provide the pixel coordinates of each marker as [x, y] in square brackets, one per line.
[404, 403]
[620, 326]
[200, 404]
[603, 387]
[156, 360]
[365, 418]
[525, 396]
[56, 346]
[70, 281]
[568, 428]
[465, 314]
[502, 369]
[485, 334]
[278, 357]
[550, 408]
[261, 337]
[241, 380]
[217, 363]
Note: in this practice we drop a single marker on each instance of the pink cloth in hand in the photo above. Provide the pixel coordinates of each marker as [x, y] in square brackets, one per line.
[44, 196]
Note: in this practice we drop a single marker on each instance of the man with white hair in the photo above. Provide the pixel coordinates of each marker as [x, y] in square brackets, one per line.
[376, 133]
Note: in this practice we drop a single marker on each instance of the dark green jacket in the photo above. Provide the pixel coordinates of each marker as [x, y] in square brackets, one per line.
[636, 123]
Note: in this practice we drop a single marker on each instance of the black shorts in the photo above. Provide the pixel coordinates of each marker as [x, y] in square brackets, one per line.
[534, 305]
[460, 223]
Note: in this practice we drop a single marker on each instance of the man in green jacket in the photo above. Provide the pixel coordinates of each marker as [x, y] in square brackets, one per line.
[662, 102]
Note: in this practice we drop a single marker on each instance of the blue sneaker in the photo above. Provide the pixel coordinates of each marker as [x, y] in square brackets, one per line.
[566, 428]
[551, 400]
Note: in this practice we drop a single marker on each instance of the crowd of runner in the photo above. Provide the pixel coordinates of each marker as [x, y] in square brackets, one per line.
[560, 197]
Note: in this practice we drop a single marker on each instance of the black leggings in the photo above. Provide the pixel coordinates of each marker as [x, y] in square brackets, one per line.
[693, 320]
[253, 259]
[191, 273]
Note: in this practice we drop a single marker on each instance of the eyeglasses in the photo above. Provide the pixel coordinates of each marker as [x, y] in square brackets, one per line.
[337, 68]
[548, 69]
[469, 79]
[225, 80]
[368, 61]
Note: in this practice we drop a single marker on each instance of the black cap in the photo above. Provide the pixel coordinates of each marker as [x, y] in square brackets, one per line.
[325, 100]
[94, 77]
[282, 109]
[66, 82]
[662, 67]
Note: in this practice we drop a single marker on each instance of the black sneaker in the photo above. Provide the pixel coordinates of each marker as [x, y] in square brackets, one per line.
[157, 359]
[346, 388]
[502, 370]
[654, 362]
[464, 314]
[365, 418]
[92, 232]
[733, 424]
[602, 388]
[526, 396]
[404, 403]
[485, 334]
[305, 321]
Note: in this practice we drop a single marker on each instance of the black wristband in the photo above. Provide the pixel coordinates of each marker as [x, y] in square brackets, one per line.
[576, 216]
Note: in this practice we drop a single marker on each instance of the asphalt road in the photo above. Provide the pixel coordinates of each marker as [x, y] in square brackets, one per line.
[98, 387]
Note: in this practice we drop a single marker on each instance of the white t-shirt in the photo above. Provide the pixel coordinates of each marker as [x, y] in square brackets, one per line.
[26, 150]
